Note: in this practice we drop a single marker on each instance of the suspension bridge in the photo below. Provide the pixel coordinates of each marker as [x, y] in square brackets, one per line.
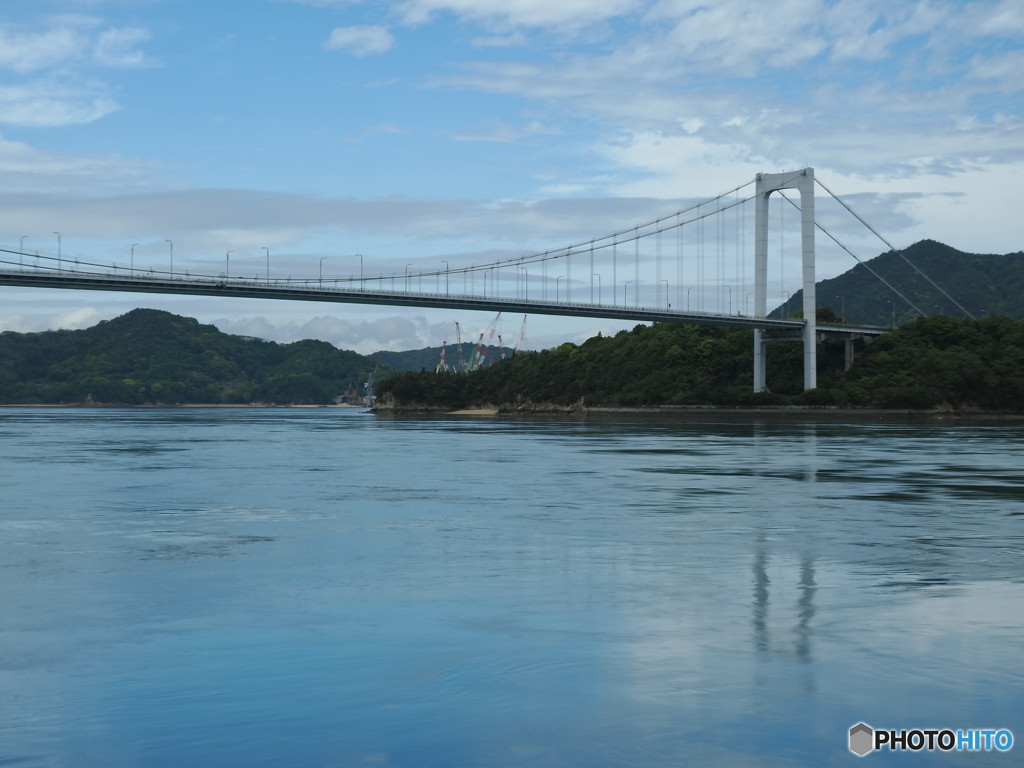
[693, 266]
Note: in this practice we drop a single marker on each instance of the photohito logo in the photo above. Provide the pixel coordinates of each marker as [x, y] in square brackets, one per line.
[865, 739]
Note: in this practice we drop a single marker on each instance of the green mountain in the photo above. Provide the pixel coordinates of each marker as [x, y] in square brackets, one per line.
[982, 284]
[925, 363]
[151, 356]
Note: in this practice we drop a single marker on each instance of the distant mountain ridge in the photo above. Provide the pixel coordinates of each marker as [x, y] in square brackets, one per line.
[149, 356]
[983, 284]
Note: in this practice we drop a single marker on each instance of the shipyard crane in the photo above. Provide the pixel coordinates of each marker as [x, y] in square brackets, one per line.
[458, 340]
[480, 353]
[521, 342]
[370, 385]
[442, 367]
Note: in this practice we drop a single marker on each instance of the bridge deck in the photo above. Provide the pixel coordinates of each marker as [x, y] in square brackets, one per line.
[252, 288]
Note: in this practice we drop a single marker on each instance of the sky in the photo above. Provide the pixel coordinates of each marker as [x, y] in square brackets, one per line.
[413, 132]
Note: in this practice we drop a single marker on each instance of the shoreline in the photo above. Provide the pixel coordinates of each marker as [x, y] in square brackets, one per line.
[579, 410]
[699, 411]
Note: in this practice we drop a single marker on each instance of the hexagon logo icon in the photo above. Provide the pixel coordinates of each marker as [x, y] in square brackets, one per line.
[862, 738]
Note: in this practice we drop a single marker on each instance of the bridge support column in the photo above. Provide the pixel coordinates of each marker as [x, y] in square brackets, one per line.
[759, 362]
[802, 181]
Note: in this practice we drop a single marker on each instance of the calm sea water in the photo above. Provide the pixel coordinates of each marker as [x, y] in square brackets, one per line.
[213, 587]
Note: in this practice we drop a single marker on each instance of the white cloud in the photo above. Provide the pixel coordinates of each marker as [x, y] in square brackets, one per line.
[69, 320]
[1005, 68]
[363, 336]
[512, 13]
[384, 129]
[29, 171]
[508, 134]
[52, 102]
[71, 40]
[1005, 18]
[246, 218]
[116, 48]
[25, 52]
[59, 93]
[499, 41]
[325, 3]
[360, 40]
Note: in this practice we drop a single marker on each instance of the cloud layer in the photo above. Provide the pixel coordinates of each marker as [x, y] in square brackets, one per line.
[360, 41]
[44, 70]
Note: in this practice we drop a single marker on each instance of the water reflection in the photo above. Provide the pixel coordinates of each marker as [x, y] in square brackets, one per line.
[802, 631]
[325, 588]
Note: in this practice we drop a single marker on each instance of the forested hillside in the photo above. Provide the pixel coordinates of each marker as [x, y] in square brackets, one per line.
[151, 356]
[982, 284]
[926, 363]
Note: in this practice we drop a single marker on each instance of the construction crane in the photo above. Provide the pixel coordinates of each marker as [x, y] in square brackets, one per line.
[458, 340]
[521, 343]
[371, 384]
[442, 367]
[480, 353]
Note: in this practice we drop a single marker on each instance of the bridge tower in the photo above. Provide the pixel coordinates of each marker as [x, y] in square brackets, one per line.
[803, 182]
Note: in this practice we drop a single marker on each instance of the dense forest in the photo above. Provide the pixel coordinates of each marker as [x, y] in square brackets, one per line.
[982, 284]
[151, 356]
[927, 363]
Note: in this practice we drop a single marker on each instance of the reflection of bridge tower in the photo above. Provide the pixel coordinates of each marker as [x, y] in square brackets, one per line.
[805, 609]
[802, 181]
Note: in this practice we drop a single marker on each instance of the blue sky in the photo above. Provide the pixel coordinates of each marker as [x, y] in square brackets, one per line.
[422, 130]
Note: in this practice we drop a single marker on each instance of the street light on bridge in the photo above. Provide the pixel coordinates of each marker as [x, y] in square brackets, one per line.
[625, 292]
[663, 280]
[526, 282]
[688, 297]
[172, 256]
[58, 251]
[598, 288]
[268, 262]
[407, 277]
[445, 274]
[322, 270]
[21, 250]
[746, 304]
[131, 263]
[730, 298]
[227, 263]
[556, 287]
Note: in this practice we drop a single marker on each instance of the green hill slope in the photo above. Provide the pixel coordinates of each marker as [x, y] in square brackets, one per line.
[923, 364]
[983, 284]
[151, 356]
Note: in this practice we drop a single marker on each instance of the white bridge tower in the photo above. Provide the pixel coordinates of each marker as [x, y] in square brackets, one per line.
[803, 182]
